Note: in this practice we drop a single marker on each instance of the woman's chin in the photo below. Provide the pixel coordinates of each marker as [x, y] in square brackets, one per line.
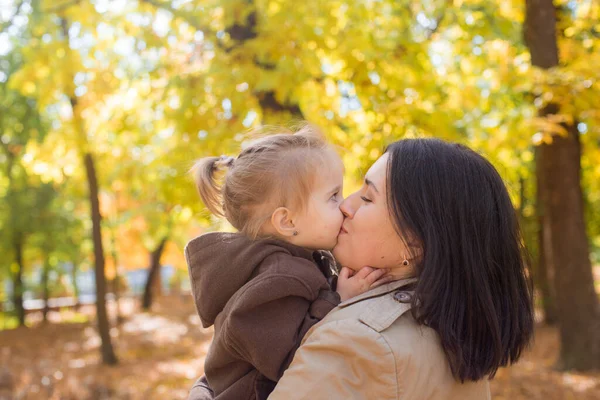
[337, 253]
[341, 256]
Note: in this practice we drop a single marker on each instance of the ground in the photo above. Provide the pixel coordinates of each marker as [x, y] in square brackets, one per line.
[162, 352]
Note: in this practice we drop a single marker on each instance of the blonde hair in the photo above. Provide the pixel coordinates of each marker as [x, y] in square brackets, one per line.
[274, 171]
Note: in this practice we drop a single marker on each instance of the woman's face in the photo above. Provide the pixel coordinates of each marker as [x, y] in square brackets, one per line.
[368, 236]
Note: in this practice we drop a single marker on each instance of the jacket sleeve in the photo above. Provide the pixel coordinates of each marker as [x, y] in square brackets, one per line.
[270, 318]
[340, 360]
[201, 390]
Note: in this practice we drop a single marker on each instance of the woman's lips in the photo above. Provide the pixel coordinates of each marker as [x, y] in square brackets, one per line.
[342, 230]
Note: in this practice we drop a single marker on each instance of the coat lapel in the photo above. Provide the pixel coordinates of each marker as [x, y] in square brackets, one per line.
[378, 291]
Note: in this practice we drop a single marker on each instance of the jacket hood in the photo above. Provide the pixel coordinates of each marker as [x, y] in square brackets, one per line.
[221, 263]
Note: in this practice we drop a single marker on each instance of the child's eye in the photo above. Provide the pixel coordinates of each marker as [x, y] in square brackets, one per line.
[365, 199]
[334, 196]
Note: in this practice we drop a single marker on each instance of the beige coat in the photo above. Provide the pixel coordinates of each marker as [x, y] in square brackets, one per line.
[370, 347]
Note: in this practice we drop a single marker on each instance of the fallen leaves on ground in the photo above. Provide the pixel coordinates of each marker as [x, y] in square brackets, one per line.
[162, 352]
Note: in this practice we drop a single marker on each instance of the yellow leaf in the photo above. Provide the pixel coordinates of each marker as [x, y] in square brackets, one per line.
[28, 88]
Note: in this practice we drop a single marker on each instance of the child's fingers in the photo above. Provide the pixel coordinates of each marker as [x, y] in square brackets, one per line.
[382, 281]
[345, 273]
[375, 275]
[364, 272]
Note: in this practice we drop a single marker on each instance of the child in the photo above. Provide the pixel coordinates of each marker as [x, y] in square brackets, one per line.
[264, 287]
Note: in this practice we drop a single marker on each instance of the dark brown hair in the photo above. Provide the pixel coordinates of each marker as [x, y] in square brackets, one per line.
[473, 287]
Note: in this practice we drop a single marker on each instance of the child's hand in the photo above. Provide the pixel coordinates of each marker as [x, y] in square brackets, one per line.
[351, 283]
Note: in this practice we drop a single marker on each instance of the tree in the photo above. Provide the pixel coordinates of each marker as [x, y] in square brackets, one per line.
[153, 274]
[565, 242]
[47, 243]
[55, 24]
[20, 123]
[543, 267]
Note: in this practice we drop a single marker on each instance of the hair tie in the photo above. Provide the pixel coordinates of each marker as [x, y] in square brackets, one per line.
[225, 161]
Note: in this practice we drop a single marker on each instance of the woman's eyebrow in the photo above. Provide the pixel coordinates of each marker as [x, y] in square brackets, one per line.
[370, 183]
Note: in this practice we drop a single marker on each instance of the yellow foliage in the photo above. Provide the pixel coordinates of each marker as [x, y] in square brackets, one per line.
[156, 87]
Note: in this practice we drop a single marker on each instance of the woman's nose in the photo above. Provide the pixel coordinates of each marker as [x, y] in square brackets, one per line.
[346, 207]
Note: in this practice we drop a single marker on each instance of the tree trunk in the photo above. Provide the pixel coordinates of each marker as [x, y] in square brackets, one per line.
[108, 355]
[543, 274]
[116, 286]
[74, 271]
[564, 232]
[153, 274]
[45, 287]
[18, 288]
[566, 244]
[540, 269]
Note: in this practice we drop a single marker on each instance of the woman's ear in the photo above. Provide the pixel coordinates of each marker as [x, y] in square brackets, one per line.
[281, 219]
[415, 255]
[413, 250]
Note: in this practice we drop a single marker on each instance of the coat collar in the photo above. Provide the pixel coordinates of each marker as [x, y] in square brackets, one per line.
[378, 291]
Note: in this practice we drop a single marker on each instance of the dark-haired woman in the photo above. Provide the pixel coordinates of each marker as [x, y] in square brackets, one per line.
[439, 217]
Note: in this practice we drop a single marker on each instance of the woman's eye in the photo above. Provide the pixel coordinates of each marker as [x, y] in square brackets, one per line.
[365, 199]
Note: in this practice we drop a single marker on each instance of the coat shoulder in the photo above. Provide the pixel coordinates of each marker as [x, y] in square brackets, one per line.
[378, 313]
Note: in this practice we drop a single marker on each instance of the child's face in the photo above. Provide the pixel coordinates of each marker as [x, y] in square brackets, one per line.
[319, 225]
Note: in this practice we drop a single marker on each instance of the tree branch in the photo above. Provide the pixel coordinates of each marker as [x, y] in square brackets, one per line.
[239, 33]
[438, 21]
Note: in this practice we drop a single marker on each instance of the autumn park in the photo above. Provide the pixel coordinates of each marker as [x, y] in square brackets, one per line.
[106, 104]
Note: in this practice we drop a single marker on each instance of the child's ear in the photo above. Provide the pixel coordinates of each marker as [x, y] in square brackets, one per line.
[282, 222]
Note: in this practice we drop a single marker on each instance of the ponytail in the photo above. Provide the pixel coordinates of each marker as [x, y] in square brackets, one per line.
[204, 171]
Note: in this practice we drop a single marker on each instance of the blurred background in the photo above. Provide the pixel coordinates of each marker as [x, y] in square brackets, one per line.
[105, 104]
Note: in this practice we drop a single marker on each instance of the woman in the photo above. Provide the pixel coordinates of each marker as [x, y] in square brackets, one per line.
[438, 216]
